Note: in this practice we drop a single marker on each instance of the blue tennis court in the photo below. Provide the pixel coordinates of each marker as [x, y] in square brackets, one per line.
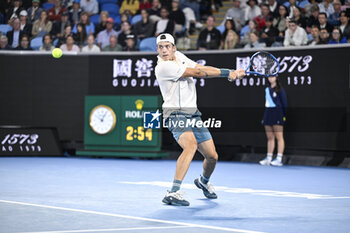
[124, 195]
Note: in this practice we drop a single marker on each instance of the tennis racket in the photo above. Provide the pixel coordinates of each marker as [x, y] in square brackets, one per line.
[263, 64]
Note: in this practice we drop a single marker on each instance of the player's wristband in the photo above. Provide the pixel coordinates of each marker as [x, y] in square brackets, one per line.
[224, 72]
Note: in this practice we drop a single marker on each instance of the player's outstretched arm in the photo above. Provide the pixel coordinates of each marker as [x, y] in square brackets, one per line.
[210, 72]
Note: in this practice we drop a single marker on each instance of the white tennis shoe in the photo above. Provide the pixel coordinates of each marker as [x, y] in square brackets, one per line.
[277, 162]
[265, 162]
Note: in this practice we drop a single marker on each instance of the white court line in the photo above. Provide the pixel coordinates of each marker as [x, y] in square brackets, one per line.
[131, 217]
[116, 229]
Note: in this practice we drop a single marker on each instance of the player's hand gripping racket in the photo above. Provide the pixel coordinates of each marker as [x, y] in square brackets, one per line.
[263, 64]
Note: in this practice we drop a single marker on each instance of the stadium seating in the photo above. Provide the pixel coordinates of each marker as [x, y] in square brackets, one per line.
[107, 1]
[47, 5]
[95, 19]
[4, 28]
[148, 44]
[36, 43]
[135, 19]
[221, 28]
[111, 8]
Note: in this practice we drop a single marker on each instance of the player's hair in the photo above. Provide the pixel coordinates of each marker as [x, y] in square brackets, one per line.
[278, 85]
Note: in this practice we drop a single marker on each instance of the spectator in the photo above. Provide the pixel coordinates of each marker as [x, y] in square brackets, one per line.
[274, 7]
[145, 27]
[26, 27]
[269, 33]
[75, 12]
[113, 45]
[85, 20]
[337, 37]
[231, 40]
[177, 16]
[344, 25]
[334, 19]
[313, 19]
[315, 33]
[145, 4]
[4, 43]
[295, 35]
[252, 26]
[190, 20]
[56, 11]
[229, 25]
[194, 5]
[164, 25]
[91, 47]
[254, 41]
[42, 25]
[260, 19]
[210, 37]
[80, 36]
[322, 19]
[89, 6]
[59, 26]
[24, 43]
[237, 14]
[130, 43]
[102, 23]
[280, 22]
[34, 11]
[326, 6]
[103, 37]
[15, 34]
[301, 21]
[14, 10]
[130, 7]
[67, 4]
[252, 11]
[154, 12]
[47, 43]
[324, 36]
[291, 5]
[69, 46]
[126, 30]
[67, 32]
[4, 6]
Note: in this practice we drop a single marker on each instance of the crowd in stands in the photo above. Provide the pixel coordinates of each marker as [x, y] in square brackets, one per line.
[122, 25]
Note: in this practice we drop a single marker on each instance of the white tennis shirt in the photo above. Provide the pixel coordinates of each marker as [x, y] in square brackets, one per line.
[179, 94]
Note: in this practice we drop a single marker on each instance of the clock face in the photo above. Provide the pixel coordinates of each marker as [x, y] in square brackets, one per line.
[102, 119]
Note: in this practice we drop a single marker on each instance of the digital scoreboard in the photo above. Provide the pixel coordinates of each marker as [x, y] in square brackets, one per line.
[113, 126]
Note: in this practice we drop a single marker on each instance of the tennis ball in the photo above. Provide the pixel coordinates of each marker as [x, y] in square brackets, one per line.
[57, 53]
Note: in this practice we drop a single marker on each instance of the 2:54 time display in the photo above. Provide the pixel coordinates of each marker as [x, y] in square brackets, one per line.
[138, 133]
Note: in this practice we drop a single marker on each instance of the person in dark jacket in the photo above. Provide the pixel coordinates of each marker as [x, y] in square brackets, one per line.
[210, 37]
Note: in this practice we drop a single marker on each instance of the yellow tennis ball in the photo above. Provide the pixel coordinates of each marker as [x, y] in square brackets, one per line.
[57, 53]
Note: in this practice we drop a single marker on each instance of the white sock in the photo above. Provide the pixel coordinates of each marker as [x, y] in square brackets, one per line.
[269, 156]
[279, 157]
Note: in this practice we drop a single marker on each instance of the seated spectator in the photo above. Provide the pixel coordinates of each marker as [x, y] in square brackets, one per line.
[274, 7]
[126, 30]
[299, 18]
[123, 18]
[254, 41]
[260, 19]
[322, 19]
[190, 20]
[56, 11]
[85, 20]
[42, 26]
[62, 39]
[194, 5]
[130, 7]
[91, 47]
[14, 10]
[252, 26]
[313, 19]
[334, 19]
[231, 40]
[315, 33]
[229, 25]
[103, 37]
[26, 27]
[252, 11]
[337, 37]
[69, 46]
[145, 27]
[154, 11]
[324, 36]
[344, 25]
[177, 16]
[291, 4]
[47, 43]
[113, 45]
[326, 7]
[145, 4]
[34, 11]
[75, 12]
[210, 37]
[130, 43]
[59, 26]
[25, 43]
[237, 14]
[269, 33]
[14, 36]
[80, 36]
[164, 25]
[68, 4]
[89, 6]
[102, 23]
[295, 35]
[4, 43]
[280, 22]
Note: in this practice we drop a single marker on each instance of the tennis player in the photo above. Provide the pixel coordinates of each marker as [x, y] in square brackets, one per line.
[174, 73]
[273, 121]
